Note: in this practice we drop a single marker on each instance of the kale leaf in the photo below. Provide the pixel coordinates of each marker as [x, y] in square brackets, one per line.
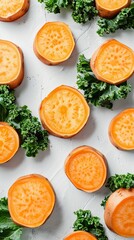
[8, 229]
[124, 20]
[82, 10]
[32, 137]
[97, 92]
[86, 222]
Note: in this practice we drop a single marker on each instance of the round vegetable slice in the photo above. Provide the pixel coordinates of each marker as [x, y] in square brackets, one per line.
[113, 62]
[54, 43]
[80, 235]
[12, 10]
[86, 168]
[31, 200]
[119, 212]
[109, 9]
[9, 142]
[121, 130]
[11, 64]
[64, 112]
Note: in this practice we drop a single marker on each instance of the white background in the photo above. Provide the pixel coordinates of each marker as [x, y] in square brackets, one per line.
[39, 80]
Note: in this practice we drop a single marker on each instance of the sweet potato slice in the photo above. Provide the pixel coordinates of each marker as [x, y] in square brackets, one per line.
[113, 62]
[12, 10]
[31, 200]
[121, 130]
[86, 168]
[11, 64]
[9, 142]
[119, 212]
[54, 43]
[80, 235]
[109, 9]
[64, 112]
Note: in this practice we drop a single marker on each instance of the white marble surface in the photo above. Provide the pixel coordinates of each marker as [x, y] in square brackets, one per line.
[39, 81]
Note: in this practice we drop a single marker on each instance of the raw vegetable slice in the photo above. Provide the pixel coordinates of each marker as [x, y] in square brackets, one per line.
[80, 235]
[9, 142]
[86, 168]
[119, 212]
[31, 200]
[121, 130]
[54, 43]
[113, 62]
[12, 10]
[109, 9]
[64, 112]
[11, 64]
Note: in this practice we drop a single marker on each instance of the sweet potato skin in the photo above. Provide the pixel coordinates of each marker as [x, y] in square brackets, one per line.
[112, 203]
[18, 80]
[43, 59]
[110, 131]
[106, 13]
[23, 178]
[49, 129]
[93, 64]
[18, 14]
[84, 148]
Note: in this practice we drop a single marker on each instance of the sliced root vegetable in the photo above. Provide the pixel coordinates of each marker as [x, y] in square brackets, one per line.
[12, 10]
[80, 235]
[64, 112]
[109, 9]
[11, 64]
[119, 212]
[31, 200]
[9, 142]
[113, 62]
[121, 130]
[54, 43]
[86, 168]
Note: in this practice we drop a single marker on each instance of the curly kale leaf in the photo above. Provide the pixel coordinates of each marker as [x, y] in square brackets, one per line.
[124, 20]
[97, 92]
[120, 181]
[8, 229]
[55, 5]
[86, 222]
[83, 10]
[32, 137]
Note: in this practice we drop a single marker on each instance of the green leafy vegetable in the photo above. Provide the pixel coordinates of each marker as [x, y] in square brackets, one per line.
[33, 138]
[124, 20]
[8, 229]
[82, 10]
[97, 92]
[86, 222]
[119, 181]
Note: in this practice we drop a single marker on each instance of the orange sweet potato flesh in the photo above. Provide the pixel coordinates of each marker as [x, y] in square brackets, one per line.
[119, 212]
[64, 112]
[113, 62]
[86, 168]
[54, 43]
[31, 200]
[11, 10]
[109, 9]
[11, 64]
[9, 142]
[121, 130]
[80, 235]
